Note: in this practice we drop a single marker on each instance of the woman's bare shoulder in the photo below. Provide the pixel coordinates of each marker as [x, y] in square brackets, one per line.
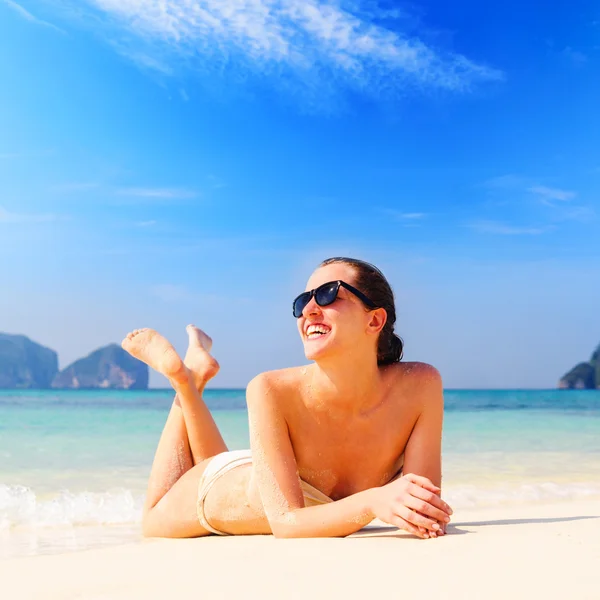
[418, 372]
[277, 383]
[417, 380]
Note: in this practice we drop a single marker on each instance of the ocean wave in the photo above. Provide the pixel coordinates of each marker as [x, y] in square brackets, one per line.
[19, 506]
[471, 496]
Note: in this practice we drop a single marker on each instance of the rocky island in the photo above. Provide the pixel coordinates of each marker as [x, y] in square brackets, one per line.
[584, 376]
[24, 364]
[106, 368]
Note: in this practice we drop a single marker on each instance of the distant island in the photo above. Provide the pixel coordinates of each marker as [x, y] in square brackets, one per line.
[24, 364]
[584, 376]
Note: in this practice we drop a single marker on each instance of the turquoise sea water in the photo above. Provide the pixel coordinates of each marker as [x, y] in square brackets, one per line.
[74, 465]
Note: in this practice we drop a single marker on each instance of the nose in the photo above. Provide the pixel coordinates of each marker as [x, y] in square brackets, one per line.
[312, 308]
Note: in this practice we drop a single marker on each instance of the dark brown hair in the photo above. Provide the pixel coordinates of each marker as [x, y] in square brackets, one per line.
[372, 282]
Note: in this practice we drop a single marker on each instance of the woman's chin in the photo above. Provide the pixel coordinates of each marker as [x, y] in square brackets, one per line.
[315, 349]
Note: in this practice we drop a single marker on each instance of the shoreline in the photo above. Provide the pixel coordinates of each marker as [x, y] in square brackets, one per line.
[530, 550]
[65, 522]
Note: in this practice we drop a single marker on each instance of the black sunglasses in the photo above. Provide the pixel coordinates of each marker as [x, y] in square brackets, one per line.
[326, 294]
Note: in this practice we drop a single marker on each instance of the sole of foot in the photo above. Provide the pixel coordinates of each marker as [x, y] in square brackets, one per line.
[157, 352]
[202, 366]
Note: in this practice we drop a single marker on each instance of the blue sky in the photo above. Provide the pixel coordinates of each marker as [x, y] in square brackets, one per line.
[174, 161]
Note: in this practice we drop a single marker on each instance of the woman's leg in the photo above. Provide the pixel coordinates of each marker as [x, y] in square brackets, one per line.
[190, 435]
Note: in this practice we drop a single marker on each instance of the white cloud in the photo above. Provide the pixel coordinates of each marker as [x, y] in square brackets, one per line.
[498, 228]
[10, 217]
[548, 194]
[145, 223]
[583, 214]
[320, 43]
[29, 17]
[575, 56]
[398, 214]
[215, 182]
[504, 182]
[143, 59]
[158, 193]
[411, 215]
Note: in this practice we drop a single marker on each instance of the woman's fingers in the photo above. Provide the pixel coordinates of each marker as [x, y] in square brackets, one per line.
[415, 518]
[401, 523]
[423, 482]
[430, 497]
[426, 506]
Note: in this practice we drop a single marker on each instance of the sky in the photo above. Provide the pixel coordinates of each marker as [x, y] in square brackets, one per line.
[172, 161]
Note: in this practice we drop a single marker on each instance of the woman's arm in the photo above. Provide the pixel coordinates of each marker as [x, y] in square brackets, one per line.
[423, 453]
[276, 471]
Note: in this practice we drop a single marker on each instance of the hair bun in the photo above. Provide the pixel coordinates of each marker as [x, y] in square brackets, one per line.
[394, 351]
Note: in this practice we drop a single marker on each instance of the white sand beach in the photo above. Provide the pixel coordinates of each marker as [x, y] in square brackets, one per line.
[530, 551]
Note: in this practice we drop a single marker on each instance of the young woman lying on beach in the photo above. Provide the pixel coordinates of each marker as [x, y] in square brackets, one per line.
[356, 435]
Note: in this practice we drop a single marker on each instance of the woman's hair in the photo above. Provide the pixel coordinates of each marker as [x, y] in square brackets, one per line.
[372, 282]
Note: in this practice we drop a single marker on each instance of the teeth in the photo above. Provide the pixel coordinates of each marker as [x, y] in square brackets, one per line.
[314, 331]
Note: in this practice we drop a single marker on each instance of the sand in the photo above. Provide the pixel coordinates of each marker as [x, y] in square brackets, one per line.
[549, 551]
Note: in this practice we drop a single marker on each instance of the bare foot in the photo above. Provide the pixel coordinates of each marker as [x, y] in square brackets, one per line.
[152, 348]
[201, 364]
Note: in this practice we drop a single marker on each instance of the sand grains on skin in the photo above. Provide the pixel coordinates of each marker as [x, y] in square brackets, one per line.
[156, 351]
[197, 359]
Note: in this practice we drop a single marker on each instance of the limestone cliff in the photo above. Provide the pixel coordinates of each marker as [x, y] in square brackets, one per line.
[25, 364]
[106, 368]
[584, 376]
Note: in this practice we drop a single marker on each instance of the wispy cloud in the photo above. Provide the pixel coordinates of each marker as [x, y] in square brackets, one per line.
[503, 182]
[145, 223]
[583, 214]
[411, 216]
[548, 194]
[409, 219]
[215, 182]
[157, 193]
[11, 217]
[499, 228]
[142, 59]
[316, 42]
[576, 57]
[29, 17]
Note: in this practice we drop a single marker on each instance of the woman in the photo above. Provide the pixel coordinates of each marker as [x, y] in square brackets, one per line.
[329, 441]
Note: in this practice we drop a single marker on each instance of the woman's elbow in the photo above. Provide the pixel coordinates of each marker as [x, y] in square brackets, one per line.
[283, 526]
[283, 532]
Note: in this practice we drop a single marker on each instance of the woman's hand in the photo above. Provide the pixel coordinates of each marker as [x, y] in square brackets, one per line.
[412, 503]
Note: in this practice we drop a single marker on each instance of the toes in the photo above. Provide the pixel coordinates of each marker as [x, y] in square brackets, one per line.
[133, 334]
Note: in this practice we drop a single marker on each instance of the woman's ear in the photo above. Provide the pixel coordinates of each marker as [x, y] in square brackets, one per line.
[378, 320]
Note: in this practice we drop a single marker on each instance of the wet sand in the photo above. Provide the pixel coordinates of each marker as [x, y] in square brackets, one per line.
[533, 551]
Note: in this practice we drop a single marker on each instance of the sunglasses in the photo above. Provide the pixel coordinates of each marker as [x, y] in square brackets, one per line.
[326, 294]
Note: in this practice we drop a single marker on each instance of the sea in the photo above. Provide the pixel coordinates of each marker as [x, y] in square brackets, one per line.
[74, 464]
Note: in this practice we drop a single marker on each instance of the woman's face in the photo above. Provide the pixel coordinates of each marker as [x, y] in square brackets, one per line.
[332, 329]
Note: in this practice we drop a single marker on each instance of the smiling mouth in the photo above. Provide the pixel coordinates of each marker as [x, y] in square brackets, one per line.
[315, 332]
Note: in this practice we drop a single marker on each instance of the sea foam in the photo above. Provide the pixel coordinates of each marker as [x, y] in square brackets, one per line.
[19, 506]
[472, 496]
